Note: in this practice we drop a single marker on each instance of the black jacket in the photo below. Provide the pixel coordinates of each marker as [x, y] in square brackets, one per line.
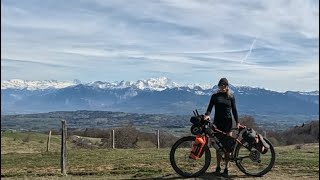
[223, 107]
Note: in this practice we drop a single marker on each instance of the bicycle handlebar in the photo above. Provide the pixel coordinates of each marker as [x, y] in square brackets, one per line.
[240, 128]
[196, 113]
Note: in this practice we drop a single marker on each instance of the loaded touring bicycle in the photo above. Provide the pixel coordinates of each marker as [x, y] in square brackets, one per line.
[190, 156]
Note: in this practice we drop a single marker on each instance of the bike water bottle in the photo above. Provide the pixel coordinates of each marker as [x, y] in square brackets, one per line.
[197, 148]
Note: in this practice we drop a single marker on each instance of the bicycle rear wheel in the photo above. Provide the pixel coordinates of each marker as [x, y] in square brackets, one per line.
[253, 162]
[185, 166]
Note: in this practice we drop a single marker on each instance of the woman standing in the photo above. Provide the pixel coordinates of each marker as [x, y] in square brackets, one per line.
[225, 106]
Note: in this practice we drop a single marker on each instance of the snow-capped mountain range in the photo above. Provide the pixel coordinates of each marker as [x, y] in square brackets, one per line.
[155, 95]
[34, 85]
[155, 84]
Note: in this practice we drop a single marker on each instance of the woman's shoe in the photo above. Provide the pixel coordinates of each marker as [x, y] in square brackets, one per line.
[217, 172]
[225, 173]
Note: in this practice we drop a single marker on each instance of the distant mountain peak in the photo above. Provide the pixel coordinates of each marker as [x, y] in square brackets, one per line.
[158, 84]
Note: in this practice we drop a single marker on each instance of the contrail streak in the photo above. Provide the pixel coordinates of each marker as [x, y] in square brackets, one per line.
[247, 55]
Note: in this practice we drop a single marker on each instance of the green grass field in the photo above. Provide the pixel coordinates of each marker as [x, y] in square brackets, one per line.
[24, 156]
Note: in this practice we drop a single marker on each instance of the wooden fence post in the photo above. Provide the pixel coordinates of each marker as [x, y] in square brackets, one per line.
[264, 134]
[158, 139]
[63, 159]
[48, 141]
[113, 140]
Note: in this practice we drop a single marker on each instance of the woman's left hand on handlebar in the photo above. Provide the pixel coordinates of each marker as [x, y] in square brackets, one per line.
[238, 125]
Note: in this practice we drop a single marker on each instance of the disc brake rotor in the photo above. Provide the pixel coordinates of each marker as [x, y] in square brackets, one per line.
[255, 156]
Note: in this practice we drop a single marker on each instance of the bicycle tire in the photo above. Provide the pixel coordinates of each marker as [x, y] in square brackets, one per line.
[207, 155]
[263, 172]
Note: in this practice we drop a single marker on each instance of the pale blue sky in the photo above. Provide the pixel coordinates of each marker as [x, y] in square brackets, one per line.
[273, 44]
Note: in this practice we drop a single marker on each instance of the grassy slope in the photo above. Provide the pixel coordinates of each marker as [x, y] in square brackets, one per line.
[28, 160]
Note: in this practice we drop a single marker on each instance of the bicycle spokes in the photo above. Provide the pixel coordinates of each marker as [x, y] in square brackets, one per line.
[253, 162]
[184, 162]
[181, 161]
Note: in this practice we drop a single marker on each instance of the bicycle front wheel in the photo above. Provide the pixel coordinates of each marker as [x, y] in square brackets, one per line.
[253, 162]
[185, 166]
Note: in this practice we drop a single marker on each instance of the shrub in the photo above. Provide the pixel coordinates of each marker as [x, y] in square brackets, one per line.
[26, 139]
[273, 141]
[299, 146]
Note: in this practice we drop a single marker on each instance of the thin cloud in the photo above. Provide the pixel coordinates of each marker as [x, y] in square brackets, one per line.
[24, 62]
[247, 55]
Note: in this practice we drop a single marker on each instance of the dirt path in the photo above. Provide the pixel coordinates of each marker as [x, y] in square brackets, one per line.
[276, 174]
